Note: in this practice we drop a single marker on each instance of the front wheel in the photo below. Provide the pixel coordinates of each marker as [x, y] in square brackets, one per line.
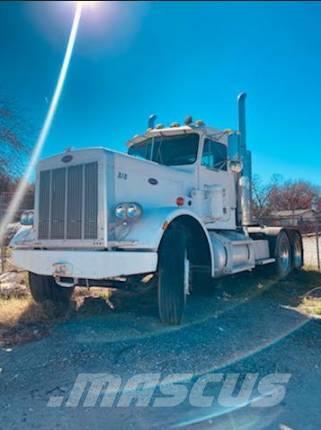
[44, 289]
[173, 275]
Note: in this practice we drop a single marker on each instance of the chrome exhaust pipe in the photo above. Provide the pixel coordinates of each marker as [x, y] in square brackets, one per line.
[245, 180]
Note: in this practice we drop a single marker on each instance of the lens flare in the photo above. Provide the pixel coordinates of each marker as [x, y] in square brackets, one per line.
[21, 189]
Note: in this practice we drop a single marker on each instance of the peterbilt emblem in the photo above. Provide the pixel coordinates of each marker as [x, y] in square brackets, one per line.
[66, 158]
[153, 181]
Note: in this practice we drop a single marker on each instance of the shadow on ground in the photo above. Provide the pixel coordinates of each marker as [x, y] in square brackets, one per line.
[34, 321]
[250, 324]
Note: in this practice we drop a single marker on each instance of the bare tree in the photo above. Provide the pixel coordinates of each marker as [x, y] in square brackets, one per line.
[280, 195]
[15, 138]
[292, 195]
[16, 135]
[261, 197]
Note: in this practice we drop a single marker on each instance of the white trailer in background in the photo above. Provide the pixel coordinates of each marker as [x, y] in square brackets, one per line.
[178, 206]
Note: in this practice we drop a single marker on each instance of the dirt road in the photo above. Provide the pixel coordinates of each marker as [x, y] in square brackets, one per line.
[249, 326]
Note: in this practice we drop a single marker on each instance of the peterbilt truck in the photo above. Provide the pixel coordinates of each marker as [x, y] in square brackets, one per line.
[176, 207]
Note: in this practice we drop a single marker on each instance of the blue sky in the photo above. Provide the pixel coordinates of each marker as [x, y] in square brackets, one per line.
[172, 59]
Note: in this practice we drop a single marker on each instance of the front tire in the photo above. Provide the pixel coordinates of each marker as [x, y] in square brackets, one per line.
[173, 273]
[45, 289]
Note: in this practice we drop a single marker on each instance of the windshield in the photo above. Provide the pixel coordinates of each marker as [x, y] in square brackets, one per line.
[168, 150]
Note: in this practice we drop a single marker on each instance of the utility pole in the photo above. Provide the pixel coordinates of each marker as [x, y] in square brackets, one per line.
[3, 256]
[317, 246]
[314, 207]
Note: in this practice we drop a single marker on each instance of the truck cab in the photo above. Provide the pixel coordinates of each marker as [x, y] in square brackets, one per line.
[201, 152]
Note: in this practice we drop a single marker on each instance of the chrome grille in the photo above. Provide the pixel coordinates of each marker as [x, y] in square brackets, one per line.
[74, 204]
[44, 206]
[68, 202]
[91, 200]
[58, 184]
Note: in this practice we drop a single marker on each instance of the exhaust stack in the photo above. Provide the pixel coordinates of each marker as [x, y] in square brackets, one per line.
[245, 180]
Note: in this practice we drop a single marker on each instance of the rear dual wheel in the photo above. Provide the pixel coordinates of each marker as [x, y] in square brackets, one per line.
[288, 253]
[283, 255]
[297, 251]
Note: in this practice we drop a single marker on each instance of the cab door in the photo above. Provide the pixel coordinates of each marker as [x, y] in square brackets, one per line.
[217, 185]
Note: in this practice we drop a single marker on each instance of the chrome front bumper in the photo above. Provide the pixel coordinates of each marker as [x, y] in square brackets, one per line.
[85, 264]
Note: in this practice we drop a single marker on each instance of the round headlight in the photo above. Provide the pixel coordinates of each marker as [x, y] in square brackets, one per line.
[125, 211]
[23, 219]
[133, 210]
[30, 218]
[26, 218]
[120, 211]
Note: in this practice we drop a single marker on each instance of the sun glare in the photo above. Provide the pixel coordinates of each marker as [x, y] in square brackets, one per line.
[87, 3]
[19, 194]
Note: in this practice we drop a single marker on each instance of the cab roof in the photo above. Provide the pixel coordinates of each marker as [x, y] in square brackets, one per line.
[210, 132]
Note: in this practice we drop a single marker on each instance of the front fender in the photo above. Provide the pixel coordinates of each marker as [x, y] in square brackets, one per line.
[147, 232]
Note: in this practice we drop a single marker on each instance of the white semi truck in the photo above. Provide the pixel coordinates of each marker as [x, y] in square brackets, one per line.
[177, 205]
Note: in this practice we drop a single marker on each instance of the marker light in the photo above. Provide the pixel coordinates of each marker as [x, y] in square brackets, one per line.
[188, 120]
[199, 123]
[180, 201]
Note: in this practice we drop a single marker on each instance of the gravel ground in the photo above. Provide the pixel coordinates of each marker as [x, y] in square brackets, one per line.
[247, 326]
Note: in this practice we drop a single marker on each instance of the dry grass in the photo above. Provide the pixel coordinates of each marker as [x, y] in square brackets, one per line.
[23, 310]
[311, 301]
[311, 307]
[23, 320]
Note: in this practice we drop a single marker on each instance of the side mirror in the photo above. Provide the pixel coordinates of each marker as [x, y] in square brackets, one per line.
[234, 153]
[235, 166]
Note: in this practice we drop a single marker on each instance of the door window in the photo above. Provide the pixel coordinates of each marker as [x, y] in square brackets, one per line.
[214, 155]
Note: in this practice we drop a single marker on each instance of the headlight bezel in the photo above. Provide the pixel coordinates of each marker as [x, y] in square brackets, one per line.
[120, 212]
[27, 218]
[126, 211]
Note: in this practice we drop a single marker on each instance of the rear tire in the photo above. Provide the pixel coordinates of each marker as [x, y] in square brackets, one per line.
[297, 251]
[173, 273]
[44, 289]
[283, 255]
